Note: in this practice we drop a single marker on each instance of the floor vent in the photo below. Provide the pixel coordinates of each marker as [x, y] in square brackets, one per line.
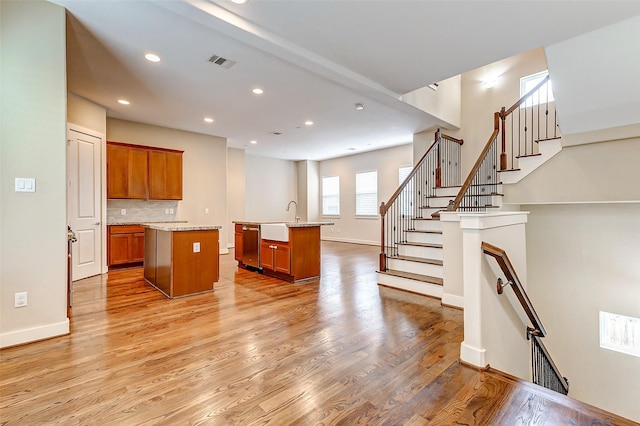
[223, 62]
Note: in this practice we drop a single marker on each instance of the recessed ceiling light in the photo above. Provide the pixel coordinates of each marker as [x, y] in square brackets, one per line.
[152, 57]
[208, 119]
[254, 142]
[359, 107]
[258, 91]
[308, 123]
[238, 1]
[123, 101]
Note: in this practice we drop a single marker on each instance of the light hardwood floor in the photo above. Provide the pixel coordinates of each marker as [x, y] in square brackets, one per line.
[340, 350]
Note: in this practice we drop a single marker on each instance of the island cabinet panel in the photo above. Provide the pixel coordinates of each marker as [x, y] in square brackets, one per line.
[125, 244]
[237, 243]
[266, 255]
[126, 172]
[275, 256]
[305, 252]
[165, 175]
[181, 263]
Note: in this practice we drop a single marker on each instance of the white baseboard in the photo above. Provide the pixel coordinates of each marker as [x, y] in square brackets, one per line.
[349, 240]
[28, 335]
[453, 300]
[472, 355]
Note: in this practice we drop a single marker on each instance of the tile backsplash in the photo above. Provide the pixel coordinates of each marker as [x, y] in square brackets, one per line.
[141, 211]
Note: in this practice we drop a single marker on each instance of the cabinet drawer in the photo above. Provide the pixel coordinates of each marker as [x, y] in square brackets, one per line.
[125, 229]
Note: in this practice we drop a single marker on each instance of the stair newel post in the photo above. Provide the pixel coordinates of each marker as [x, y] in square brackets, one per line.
[500, 118]
[383, 256]
[439, 162]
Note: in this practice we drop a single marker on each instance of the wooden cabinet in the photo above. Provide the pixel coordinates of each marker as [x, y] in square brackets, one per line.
[125, 244]
[237, 238]
[174, 265]
[141, 172]
[126, 172]
[275, 256]
[165, 175]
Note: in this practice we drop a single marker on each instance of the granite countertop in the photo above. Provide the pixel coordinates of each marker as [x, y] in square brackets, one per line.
[289, 224]
[140, 222]
[179, 226]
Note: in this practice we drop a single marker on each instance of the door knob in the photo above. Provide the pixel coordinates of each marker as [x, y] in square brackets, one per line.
[97, 223]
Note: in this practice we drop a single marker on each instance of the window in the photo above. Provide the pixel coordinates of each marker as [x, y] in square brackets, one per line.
[543, 95]
[620, 333]
[331, 196]
[367, 193]
[403, 172]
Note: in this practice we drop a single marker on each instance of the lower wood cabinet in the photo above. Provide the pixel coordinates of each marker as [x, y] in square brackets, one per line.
[125, 244]
[237, 238]
[276, 256]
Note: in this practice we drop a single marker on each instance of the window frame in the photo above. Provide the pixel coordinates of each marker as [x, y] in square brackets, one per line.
[532, 80]
[337, 177]
[369, 214]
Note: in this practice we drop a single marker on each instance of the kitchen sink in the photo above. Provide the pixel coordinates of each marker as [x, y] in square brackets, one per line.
[275, 231]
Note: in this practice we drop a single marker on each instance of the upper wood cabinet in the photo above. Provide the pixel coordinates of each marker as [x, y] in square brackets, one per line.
[126, 172]
[165, 175]
[142, 172]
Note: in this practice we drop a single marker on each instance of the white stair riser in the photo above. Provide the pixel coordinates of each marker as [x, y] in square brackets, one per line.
[406, 284]
[493, 200]
[427, 225]
[450, 192]
[439, 202]
[415, 267]
[422, 252]
[421, 237]
[428, 211]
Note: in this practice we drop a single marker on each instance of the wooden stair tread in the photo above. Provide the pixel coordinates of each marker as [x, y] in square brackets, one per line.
[412, 276]
[547, 139]
[528, 155]
[418, 259]
[419, 231]
[508, 170]
[421, 245]
[424, 218]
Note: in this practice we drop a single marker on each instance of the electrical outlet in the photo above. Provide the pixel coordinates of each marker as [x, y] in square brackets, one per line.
[170, 211]
[123, 212]
[166, 211]
[206, 211]
[196, 247]
[20, 300]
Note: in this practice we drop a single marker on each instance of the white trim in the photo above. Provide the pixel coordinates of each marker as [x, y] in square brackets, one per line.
[453, 300]
[491, 220]
[29, 335]
[472, 355]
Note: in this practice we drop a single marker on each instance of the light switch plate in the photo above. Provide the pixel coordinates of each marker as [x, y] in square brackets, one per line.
[25, 185]
[196, 247]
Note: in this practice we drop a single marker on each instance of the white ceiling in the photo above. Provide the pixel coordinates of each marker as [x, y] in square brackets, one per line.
[314, 59]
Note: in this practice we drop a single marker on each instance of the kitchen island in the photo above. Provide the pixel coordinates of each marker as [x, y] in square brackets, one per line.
[286, 250]
[181, 259]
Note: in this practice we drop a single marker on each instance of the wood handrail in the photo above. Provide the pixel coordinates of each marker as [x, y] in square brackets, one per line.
[384, 207]
[452, 139]
[476, 166]
[512, 278]
[525, 97]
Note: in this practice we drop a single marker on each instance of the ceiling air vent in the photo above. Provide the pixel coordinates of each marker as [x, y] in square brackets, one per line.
[223, 62]
[275, 133]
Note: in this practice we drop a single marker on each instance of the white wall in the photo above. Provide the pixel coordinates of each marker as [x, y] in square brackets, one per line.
[33, 243]
[347, 227]
[270, 185]
[444, 103]
[583, 259]
[204, 168]
[85, 113]
[308, 190]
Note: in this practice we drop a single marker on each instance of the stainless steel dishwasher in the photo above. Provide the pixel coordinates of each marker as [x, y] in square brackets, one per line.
[251, 246]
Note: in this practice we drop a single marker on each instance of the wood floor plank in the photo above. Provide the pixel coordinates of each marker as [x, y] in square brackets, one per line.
[258, 350]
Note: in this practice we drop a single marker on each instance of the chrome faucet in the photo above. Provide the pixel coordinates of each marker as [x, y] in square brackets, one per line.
[296, 204]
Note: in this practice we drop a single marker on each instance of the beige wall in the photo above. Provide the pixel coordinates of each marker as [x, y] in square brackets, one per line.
[606, 171]
[85, 113]
[204, 168]
[270, 185]
[443, 103]
[33, 241]
[235, 188]
[308, 190]
[583, 259]
[347, 227]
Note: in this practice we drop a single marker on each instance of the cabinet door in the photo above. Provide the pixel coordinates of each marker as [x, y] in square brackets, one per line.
[156, 175]
[137, 247]
[282, 258]
[173, 176]
[138, 173]
[120, 249]
[117, 171]
[237, 238]
[266, 255]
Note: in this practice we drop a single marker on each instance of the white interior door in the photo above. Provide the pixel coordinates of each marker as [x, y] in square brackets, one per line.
[83, 198]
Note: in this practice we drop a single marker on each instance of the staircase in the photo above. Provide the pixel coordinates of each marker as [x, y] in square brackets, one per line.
[411, 252]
